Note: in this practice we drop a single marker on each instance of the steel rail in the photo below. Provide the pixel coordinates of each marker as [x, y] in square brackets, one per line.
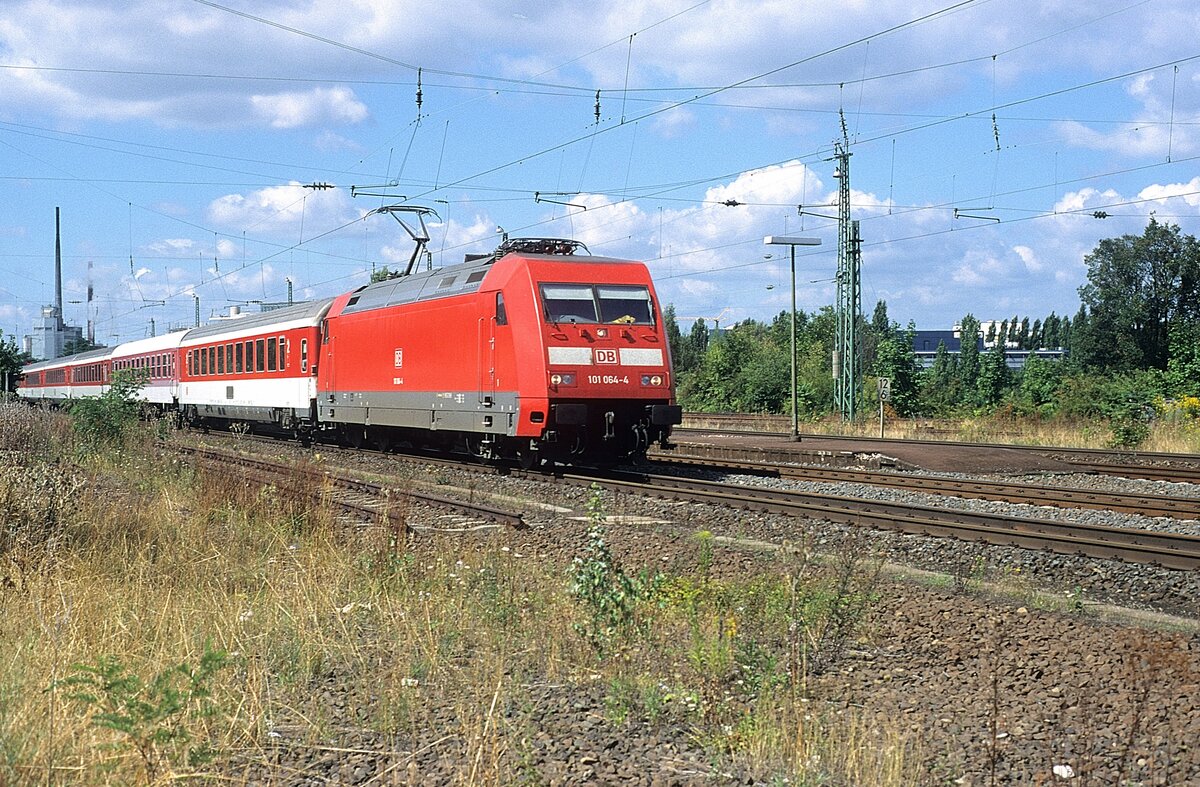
[350, 483]
[1169, 550]
[1032, 494]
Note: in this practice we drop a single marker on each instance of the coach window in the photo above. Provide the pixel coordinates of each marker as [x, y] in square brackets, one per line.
[259, 355]
[250, 355]
[272, 346]
[220, 360]
[212, 360]
[501, 312]
[229, 358]
[203, 362]
[304, 356]
[237, 357]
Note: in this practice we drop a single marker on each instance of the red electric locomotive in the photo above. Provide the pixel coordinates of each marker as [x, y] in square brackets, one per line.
[535, 352]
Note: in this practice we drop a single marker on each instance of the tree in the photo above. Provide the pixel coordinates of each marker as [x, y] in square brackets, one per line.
[697, 343]
[1138, 287]
[383, 274]
[11, 361]
[939, 383]
[1051, 338]
[1183, 366]
[79, 346]
[1035, 336]
[1040, 380]
[674, 338]
[1023, 335]
[968, 357]
[879, 319]
[896, 360]
[993, 375]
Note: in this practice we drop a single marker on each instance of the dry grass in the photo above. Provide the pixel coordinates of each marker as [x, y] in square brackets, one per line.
[152, 562]
[1166, 434]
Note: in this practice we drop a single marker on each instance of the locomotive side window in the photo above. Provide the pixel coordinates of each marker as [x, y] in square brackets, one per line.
[625, 304]
[501, 312]
[569, 303]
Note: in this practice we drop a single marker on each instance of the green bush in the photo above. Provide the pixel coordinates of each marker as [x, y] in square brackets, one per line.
[107, 419]
[159, 718]
[609, 596]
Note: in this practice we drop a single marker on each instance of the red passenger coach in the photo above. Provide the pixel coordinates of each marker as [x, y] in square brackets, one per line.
[259, 368]
[61, 379]
[533, 351]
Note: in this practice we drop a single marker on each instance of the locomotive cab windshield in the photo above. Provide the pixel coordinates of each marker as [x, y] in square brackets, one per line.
[619, 304]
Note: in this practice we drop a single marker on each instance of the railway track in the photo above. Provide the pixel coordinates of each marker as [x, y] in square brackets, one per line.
[1146, 465]
[1032, 494]
[353, 496]
[1169, 550]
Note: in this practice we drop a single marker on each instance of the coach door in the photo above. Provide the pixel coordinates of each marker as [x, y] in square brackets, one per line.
[325, 370]
[489, 327]
[485, 361]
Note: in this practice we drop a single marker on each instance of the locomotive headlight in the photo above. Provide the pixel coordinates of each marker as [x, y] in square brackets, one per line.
[652, 379]
[564, 378]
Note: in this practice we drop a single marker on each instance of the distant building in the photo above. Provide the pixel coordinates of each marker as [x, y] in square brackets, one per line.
[50, 335]
[925, 345]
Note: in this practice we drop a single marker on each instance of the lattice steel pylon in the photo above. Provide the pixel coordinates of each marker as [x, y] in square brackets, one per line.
[847, 361]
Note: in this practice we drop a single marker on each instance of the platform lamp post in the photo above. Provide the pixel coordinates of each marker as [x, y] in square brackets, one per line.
[792, 242]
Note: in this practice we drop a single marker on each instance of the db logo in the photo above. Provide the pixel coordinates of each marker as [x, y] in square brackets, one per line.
[606, 356]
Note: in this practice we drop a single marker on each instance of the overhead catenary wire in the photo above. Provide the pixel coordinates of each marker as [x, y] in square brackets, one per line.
[627, 190]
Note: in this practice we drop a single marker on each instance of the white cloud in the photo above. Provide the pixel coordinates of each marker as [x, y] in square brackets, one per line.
[1188, 192]
[283, 209]
[316, 106]
[1085, 198]
[1029, 257]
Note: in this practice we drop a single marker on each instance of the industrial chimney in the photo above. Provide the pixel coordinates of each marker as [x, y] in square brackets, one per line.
[58, 302]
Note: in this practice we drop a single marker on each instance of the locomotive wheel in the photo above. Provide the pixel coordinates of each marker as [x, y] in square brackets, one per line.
[528, 459]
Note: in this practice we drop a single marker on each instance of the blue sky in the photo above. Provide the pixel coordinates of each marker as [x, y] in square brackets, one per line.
[178, 136]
